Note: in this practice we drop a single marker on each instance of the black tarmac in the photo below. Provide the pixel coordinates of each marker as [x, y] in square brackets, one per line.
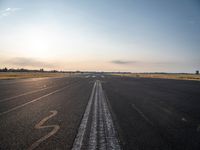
[148, 114]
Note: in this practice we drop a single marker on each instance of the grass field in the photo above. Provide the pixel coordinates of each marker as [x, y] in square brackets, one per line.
[14, 75]
[163, 76]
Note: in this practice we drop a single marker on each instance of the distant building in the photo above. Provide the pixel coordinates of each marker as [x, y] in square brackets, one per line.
[197, 72]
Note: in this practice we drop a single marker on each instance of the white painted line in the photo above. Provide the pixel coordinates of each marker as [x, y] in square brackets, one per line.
[31, 92]
[102, 136]
[110, 131]
[142, 114]
[20, 106]
[78, 142]
[92, 144]
[41, 126]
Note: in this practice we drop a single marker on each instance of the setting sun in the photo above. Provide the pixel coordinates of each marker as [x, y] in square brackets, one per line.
[38, 42]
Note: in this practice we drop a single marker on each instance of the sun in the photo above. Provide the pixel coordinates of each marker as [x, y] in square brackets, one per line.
[38, 42]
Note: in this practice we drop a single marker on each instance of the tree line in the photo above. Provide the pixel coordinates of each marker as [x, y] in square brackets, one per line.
[25, 70]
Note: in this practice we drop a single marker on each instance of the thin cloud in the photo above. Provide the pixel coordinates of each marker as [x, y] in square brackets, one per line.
[29, 62]
[147, 63]
[123, 62]
[8, 11]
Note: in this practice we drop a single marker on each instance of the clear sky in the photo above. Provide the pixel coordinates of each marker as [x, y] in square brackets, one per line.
[101, 35]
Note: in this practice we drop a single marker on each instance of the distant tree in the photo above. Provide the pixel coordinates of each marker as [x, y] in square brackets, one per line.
[42, 70]
[54, 71]
[197, 72]
[5, 69]
[23, 70]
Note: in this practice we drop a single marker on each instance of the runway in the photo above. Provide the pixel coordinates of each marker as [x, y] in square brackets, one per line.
[96, 111]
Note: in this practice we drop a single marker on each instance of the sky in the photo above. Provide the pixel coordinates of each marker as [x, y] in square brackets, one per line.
[101, 35]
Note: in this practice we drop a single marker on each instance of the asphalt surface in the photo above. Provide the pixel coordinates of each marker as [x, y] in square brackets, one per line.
[156, 113]
[99, 112]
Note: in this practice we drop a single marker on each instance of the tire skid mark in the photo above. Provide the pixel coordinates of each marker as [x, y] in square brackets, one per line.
[41, 126]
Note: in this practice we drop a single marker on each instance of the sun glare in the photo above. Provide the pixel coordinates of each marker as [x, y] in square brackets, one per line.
[39, 42]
